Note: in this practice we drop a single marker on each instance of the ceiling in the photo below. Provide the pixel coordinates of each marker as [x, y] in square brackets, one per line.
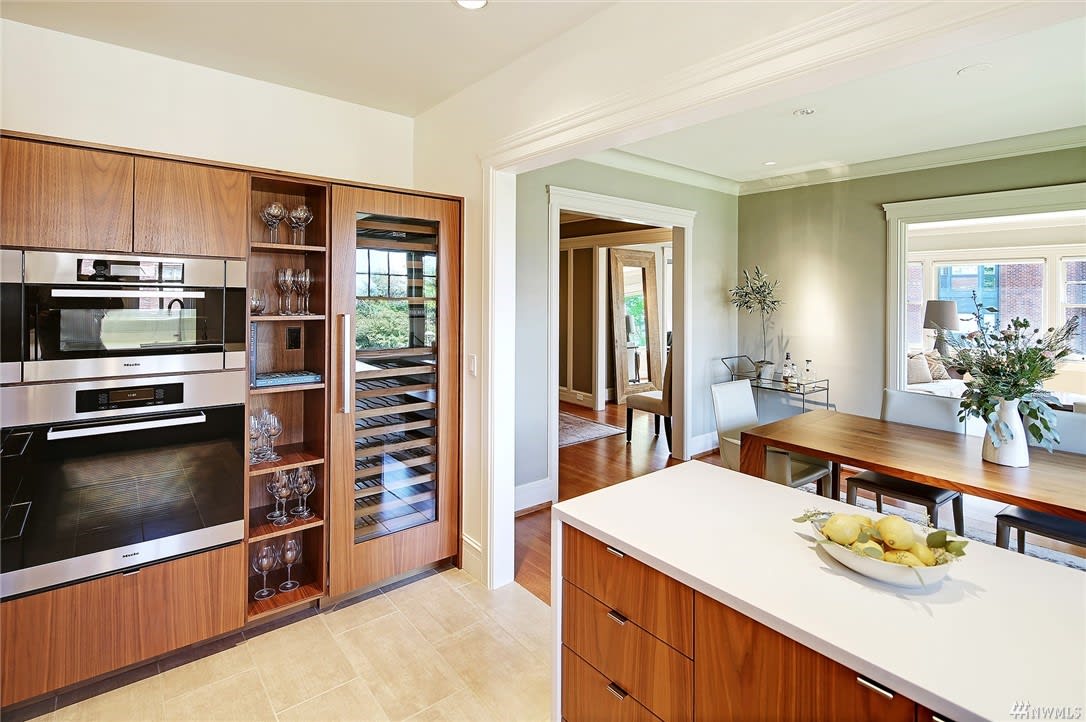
[1036, 83]
[402, 57]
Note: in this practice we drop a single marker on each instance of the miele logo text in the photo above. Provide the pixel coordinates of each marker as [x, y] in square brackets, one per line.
[130, 554]
[135, 364]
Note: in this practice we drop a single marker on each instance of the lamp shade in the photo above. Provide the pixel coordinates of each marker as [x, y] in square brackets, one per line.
[941, 315]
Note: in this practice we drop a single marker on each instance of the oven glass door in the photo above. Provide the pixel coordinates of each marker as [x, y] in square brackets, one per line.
[75, 489]
[77, 322]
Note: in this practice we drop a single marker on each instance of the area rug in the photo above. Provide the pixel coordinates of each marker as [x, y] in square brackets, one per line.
[573, 429]
[980, 535]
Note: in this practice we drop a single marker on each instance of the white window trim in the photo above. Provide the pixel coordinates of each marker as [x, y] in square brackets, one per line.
[899, 216]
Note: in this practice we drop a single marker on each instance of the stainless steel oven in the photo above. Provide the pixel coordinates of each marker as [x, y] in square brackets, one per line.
[101, 476]
[86, 315]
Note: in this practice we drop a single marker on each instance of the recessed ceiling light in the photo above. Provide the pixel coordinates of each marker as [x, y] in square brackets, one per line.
[770, 162]
[803, 111]
[978, 68]
[471, 4]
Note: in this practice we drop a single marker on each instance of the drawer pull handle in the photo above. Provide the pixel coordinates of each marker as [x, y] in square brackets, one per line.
[616, 617]
[620, 693]
[878, 689]
[616, 552]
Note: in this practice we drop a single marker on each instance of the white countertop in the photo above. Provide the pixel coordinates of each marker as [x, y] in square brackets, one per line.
[1002, 628]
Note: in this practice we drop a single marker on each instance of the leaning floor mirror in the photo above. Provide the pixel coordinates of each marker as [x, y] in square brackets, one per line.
[636, 322]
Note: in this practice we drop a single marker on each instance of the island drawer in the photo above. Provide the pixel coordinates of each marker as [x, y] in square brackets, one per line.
[588, 696]
[653, 601]
[653, 673]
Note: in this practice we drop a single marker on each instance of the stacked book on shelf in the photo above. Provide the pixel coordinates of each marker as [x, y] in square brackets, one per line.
[284, 378]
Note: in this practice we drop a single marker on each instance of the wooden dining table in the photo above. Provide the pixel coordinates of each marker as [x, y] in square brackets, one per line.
[1054, 483]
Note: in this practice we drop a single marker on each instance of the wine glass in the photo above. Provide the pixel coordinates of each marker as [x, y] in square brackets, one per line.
[298, 219]
[257, 301]
[255, 434]
[303, 278]
[273, 428]
[272, 485]
[305, 482]
[292, 551]
[284, 280]
[272, 215]
[283, 489]
[264, 562]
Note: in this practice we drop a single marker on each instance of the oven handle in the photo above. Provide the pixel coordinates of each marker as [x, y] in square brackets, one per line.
[121, 293]
[54, 434]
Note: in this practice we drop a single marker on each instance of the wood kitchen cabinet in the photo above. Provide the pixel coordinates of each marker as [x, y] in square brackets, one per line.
[56, 196]
[186, 209]
[746, 671]
[63, 636]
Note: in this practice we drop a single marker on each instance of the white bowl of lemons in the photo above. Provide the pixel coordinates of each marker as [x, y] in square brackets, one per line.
[888, 549]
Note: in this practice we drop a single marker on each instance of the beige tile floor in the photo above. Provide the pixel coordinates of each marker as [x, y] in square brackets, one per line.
[441, 648]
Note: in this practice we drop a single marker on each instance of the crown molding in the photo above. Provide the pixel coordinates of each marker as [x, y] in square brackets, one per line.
[837, 38]
[623, 160]
[974, 153]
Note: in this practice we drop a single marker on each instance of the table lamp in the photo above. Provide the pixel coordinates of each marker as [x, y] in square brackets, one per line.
[941, 316]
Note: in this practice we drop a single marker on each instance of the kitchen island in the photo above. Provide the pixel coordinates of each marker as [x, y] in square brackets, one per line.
[691, 593]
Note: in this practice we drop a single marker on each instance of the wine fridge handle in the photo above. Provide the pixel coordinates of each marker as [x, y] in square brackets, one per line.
[347, 372]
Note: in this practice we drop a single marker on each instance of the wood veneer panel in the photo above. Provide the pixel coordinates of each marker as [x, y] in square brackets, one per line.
[1052, 483]
[189, 600]
[190, 210]
[655, 674]
[747, 672]
[652, 600]
[54, 196]
[586, 697]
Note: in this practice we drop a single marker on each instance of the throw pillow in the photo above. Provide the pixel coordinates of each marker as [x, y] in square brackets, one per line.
[935, 365]
[917, 369]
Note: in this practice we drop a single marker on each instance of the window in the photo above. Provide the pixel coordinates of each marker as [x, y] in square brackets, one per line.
[1016, 288]
[393, 291]
[914, 305]
[1073, 301]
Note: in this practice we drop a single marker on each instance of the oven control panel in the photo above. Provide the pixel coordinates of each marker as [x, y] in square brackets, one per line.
[128, 397]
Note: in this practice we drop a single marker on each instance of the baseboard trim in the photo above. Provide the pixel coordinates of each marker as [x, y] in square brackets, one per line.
[533, 494]
[703, 442]
[571, 397]
[533, 509]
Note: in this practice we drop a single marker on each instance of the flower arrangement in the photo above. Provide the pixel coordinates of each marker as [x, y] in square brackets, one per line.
[758, 293]
[1007, 364]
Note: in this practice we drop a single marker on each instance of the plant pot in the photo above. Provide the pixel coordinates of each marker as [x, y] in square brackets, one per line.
[1008, 446]
[765, 370]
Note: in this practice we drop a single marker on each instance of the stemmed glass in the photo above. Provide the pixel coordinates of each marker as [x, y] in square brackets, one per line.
[304, 483]
[272, 486]
[264, 562]
[292, 551]
[256, 433]
[298, 219]
[257, 301]
[273, 214]
[284, 280]
[273, 428]
[282, 490]
[303, 278]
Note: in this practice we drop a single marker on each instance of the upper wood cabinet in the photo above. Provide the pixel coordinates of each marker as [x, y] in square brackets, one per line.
[54, 196]
[190, 210]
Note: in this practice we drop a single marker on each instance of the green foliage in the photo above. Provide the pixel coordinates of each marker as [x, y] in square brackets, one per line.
[381, 324]
[635, 309]
[1010, 363]
[757, 293]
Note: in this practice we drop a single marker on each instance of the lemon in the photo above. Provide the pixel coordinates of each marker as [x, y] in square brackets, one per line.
[841, 528]
[921, 551]
[896, 533]
[896, 556]
[869, 548]
[865, 521]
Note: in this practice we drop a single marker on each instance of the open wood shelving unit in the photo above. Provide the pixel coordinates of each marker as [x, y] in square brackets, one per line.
[302, 407]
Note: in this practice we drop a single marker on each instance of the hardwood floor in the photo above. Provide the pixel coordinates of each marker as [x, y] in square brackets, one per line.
[593, 465]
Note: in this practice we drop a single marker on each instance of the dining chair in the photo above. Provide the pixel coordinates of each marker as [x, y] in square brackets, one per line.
[1072, 429]
[736, 411]
[657, 403]
[929, 411]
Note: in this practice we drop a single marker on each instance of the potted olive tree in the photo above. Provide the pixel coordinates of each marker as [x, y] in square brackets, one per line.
[758, 293]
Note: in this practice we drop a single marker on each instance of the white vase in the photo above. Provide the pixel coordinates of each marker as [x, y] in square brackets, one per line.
[1014, 448]
[765, 370]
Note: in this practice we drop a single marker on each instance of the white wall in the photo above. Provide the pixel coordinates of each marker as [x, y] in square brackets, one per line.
[72, 87]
